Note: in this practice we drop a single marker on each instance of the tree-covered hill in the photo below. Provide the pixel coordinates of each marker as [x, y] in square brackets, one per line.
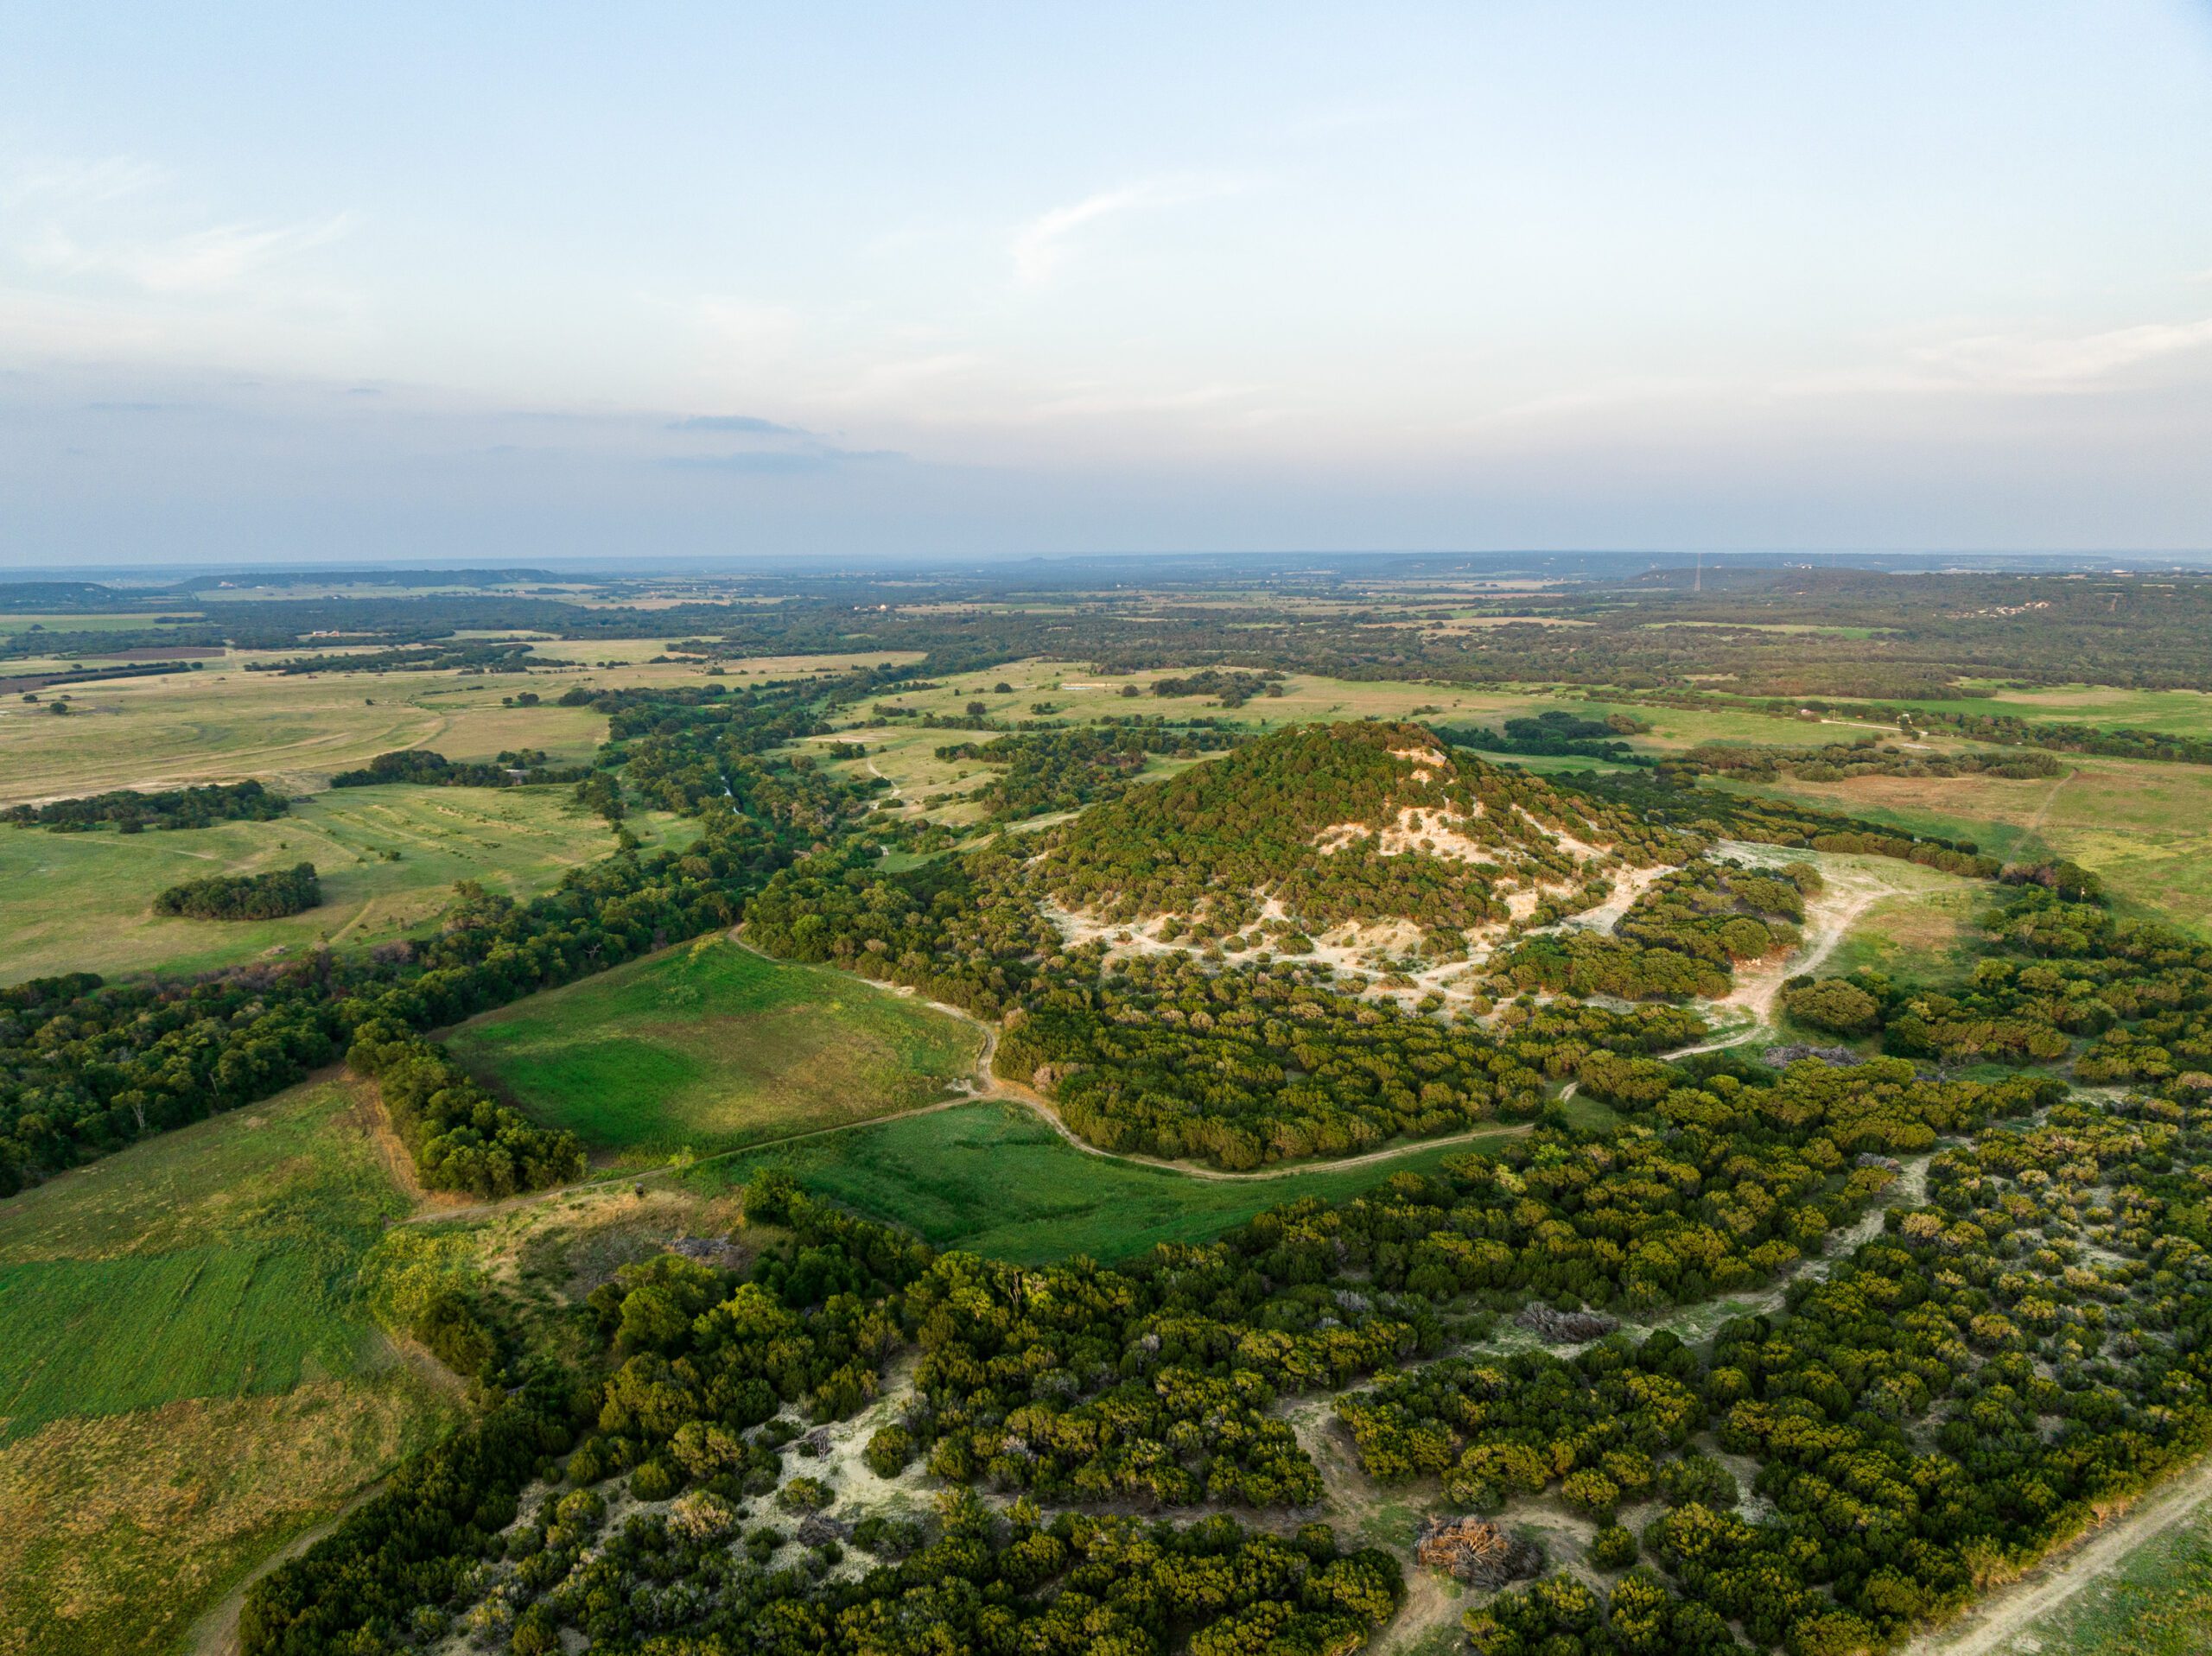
[1339, 822]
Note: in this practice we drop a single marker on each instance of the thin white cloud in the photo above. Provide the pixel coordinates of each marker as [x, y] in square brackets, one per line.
[2019, 363]
[215, 260]
[66, 183]
[1039, 247]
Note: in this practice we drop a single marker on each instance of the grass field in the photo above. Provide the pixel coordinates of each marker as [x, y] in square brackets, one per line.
[711, 1047]
[2145, 828]
[1926, 935]
[2183, 712]
[224, 724]
[189, 1375]
[989, 1177]
[82, 901]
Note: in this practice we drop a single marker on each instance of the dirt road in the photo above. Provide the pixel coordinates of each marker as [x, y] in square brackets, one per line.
[1989, 1627]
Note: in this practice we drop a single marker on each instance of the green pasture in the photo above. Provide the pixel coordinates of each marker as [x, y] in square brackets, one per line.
[188, 1371]
[2179, 713]
[213, 1261]
[990, 1178]
[711, 1047]
[73, 901]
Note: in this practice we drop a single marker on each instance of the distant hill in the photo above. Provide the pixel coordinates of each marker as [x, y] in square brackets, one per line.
[1326, 824]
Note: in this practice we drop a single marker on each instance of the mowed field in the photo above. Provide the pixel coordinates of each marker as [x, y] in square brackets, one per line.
[82, 902]
[990, 1178]
[188, 1373]
[710, 1047]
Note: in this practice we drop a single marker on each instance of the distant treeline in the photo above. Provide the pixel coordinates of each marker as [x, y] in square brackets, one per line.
[1839, 761]
[93, 675]
[245, 897]
[470, 656]
[425, 769]
[177, 808]
[1554, 733]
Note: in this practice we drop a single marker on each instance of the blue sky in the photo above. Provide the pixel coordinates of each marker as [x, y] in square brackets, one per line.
[503, 281]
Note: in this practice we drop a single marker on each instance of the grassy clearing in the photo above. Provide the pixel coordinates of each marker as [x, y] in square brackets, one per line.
[710, 1047]
[1925, 934]
[2187, 712]
[991, 1178]
[2145, 827]
[188, 1373]
[83, 901]
[214, 1261]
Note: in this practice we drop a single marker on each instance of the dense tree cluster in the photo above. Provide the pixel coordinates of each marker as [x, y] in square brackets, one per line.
[1866, 756]
[424, 769]
[271, 896]
[2030, 1346]
[960, 930]
[1239, 1068]
[462, 1137]
[177, 808]
[1595, 1425]
[1556, 732]
[463, 655]
[1234, 689]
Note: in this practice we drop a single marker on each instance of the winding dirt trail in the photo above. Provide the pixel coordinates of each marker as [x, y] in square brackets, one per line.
[1829, 917]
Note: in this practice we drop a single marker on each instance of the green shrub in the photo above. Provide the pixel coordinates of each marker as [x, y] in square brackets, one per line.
[1612, 1548]
[1834, 1005]
[889, 1450]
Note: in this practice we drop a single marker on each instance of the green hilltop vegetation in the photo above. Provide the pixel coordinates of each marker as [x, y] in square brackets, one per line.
[1307, 817]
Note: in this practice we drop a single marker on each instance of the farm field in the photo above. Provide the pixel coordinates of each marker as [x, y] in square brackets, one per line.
[189, 1375]
[710, 1047]
[81, 902]
[990, 1178]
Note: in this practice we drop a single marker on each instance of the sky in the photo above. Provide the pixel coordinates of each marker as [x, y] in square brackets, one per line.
[506, 281]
